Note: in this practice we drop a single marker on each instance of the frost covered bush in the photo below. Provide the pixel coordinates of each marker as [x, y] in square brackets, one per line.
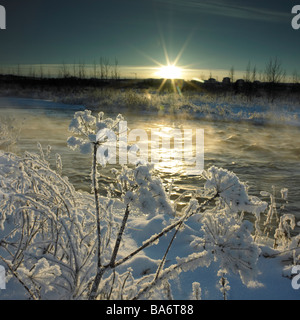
[43, 217]
[143, 191]
[283, 232]
[232, 193]
[57, 242]
[9, 134]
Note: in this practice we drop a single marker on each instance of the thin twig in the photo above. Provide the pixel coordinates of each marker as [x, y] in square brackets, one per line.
[100, 270]
[161, 265]
[163, 232]
[15, 274]
[119, 238]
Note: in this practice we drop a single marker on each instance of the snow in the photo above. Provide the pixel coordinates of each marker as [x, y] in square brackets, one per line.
[216, 253]
[271, 281]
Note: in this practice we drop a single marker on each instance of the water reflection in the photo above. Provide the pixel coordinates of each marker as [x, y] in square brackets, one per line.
[261, 155]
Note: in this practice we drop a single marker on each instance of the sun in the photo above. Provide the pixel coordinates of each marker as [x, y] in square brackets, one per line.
[170, 72]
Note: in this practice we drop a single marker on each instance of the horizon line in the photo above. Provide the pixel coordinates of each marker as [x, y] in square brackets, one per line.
[124, 71]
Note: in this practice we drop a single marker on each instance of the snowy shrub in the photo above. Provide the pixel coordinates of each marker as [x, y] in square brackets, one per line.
[9, 134]
[231, 243]
[141, 190]
[43, 217]
[283, 232]
[57, 242]
[196, 291]
[224, 232]
[232, 193]
[223, 283]
[274, 215]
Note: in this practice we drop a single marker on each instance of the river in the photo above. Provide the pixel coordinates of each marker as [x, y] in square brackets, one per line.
[263, 155]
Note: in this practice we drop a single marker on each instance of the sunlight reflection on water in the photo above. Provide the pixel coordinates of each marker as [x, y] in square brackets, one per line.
[262, 155]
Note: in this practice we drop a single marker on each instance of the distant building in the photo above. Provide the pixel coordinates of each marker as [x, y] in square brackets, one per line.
[240, 82]
[226, 80]
[211, 80]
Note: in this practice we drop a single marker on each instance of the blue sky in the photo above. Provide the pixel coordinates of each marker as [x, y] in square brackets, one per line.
[202, 35]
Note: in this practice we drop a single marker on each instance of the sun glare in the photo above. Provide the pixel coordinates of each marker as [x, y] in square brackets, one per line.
[170, 72]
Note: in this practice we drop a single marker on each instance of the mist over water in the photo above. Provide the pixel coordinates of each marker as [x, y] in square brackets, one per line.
[263, 155]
